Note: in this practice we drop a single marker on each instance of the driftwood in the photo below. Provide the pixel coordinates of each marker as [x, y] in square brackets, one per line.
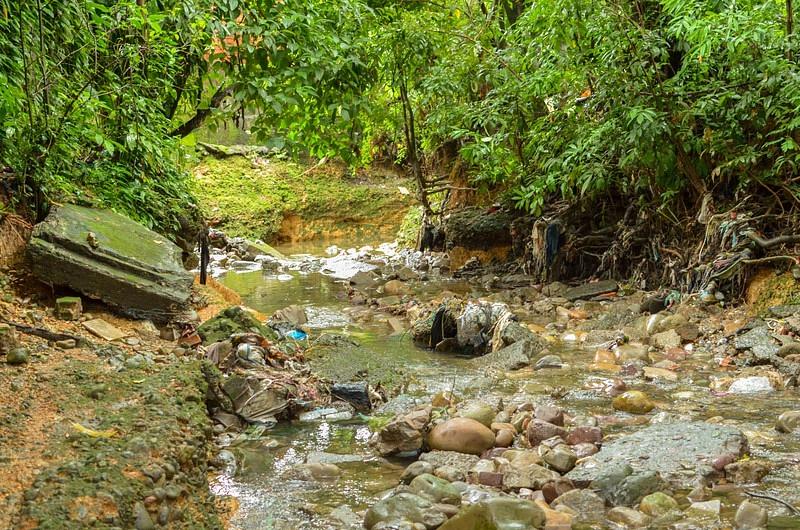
[45, 333]
[224, 151]
[774, 242]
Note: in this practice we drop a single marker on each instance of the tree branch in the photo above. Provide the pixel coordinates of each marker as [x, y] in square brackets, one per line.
[200, 116]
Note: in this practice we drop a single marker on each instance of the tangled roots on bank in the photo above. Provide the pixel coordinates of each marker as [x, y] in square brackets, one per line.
[14, 234]
[657, 246]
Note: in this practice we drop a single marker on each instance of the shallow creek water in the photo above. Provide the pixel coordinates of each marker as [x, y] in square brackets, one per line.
[270, 500]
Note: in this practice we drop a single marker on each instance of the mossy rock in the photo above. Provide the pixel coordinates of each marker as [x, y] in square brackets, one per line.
[768, 289]
[233, 320]
[476, 228]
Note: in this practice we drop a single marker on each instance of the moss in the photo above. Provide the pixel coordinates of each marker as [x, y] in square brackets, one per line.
[409, 228]
[232, 320]
[252, 199]
[768, 289]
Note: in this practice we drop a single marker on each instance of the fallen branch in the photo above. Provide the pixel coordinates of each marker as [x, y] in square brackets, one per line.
[45, 333]
[768, 259]
[794, 510]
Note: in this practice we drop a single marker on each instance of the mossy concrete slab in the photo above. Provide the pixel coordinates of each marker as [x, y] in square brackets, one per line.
[107, 256]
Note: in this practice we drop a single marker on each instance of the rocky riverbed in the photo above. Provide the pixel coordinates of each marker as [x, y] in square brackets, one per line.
[513, 405]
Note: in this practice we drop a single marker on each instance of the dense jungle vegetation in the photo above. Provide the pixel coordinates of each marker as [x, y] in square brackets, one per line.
[658, 102]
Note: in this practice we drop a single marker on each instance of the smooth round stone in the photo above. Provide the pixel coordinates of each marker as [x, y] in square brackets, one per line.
[480, 412]
[504, 438]
[17, 356]
[463, 435]
[436, 489]
[634, 402]
[658, 504]
[750, 516]
[414, 470]
[788, 422]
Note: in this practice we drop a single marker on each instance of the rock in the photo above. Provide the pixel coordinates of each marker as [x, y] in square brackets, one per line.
[513, 357]
[316, 471]
[633, 487]
[652, 372]
[522, 474]
[750, 516]
[364, 279]
[561, 458]
[357, 394]
[759, 340]
[634, 402]
[751, 385]
[463, 435]
[548, 361]
[103, 329]
[550, 414]
[628, 517]
[66, 344]
[539, 430]
[480, 412]
[671, 449]
[451, 473]
[435, 489]
[125, 264]
[590, 290]
[788, 421]
[458, 463]
[142, 520]
[632, 352]
[230, 321]
[414, 470]
[17, 356]
[582, 435]
[587, 505]
[666, 340]
[498, 513]
[585, 450]
[68, 308]
[403, 434]
[404, 507]
[792, 348]
[747, 471]
[658, 504]
[8, 338]
[704, 509]
[396, 288]
[293, 314]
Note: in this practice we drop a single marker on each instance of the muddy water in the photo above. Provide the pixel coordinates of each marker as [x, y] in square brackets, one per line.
[270, 499]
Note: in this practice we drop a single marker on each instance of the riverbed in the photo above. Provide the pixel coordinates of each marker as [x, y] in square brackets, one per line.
[269, 498]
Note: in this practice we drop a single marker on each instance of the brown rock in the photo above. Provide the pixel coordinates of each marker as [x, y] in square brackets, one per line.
[581, 435]
[550, 414]
[463, 435]
[540, 430]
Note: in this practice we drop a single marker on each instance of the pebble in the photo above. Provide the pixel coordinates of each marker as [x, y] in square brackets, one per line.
[634, 402]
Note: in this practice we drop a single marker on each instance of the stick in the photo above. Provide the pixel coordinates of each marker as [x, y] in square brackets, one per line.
[45, 333]
[771, 498]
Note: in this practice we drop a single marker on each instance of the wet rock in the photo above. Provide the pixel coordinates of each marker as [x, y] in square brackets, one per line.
[231, 321]
[666, 340]
[463, 435]
[17, 356]
[751, 385]
[704, 509]
[750, 516]
[548, 361]
[460, 462]
[404, 507]
[357, 394]
[396, 288]
[583, 435]
[590, 290]
[788, 422]
[513, 357]
[435, 489]
[658, 504]
[632, 352]
[317, 471]
[539, 430]
[561, 457]
[628, 517]
[636, 486]
[550, 414]
[403, 434]
[499, 513]
[673, 450]
[105, 255]
[450, 473]
[480, 412]
[586, 504]
[634, 402]
[504, 438]
[747, 471]
[414, 470]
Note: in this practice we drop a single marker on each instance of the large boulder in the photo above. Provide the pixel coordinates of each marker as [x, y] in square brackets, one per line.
[463, 435]
[107, 256]
[673, 450]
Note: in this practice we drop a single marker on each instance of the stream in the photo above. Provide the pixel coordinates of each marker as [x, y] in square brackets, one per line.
[269, 498]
